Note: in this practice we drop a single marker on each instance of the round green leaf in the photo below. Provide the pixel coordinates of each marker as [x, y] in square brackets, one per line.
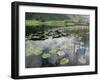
[64, 61]
[45, 55]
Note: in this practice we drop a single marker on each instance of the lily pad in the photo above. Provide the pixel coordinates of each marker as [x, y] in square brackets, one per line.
[60, 53]
[36, 51]
[45, 55]
[64, 61]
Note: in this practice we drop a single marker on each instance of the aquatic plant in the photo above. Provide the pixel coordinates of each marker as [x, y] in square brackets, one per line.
[64, 61]
[36, 51]
[45, 55]
[60, 53]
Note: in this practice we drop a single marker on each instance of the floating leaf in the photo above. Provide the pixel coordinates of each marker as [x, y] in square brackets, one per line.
[60, 53]
[45, 55]
[36, 51]
[64, 61]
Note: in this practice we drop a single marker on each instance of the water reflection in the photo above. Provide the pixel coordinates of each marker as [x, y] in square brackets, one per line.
[71, 50]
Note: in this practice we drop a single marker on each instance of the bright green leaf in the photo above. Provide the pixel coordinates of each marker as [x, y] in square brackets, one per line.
[45, 55]
[64, 61]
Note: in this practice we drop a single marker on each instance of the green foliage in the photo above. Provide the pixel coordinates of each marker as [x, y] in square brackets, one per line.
[52, 23]
[69, 24]
[64, 61]
[45, 55]
[60, 53]
[36, 51]
[32, 23]
[44, 22]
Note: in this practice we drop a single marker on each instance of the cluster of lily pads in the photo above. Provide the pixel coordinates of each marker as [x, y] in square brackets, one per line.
[62, 59]
[42, 35]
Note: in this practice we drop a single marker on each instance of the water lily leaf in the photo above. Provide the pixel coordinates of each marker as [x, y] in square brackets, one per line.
[64, 61]
[60, 53]
[36, 51]
[45, 55]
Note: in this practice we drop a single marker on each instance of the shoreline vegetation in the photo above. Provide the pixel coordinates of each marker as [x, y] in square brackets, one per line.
[35, 28]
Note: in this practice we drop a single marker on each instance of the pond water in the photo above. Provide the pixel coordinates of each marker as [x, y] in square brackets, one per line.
[71, 50]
